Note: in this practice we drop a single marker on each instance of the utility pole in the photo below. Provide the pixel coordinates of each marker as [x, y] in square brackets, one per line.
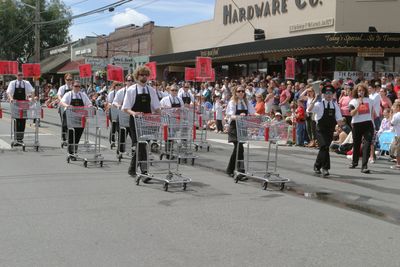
[37, 32]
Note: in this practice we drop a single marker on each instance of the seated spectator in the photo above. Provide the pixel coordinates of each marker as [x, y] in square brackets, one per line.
[339, 137]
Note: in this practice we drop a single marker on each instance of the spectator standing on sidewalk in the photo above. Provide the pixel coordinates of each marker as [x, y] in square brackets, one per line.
[300, 123]
[327, 115]
[395, 122]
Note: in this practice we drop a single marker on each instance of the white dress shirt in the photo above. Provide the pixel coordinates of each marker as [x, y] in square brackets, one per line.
[80, 95]
[183, 94]
[320, 106]
[119, 97]
[61, 90]
[376, 102]
[111, 96]
[13, 84]
[167, 101]
[231, 109]
[130, 97]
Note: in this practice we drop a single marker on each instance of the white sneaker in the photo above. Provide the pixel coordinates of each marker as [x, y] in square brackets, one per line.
[372, 161]
[350, 157]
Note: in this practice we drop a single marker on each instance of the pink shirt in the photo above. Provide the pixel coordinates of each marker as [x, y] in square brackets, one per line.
[344, 105]
[284, 95]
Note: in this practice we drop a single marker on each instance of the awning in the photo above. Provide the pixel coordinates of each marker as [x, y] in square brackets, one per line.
[287, 45]
[52, 63]
[71, 67]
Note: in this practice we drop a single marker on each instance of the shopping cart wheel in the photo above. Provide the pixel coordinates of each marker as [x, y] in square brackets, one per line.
[265, 185]
[184, 186]
[192, 162]
[282, 187]
[68, 159]
[85, 163]
[37, 148]
[101, 164]
[138, 180]
[23, 148]
[165, 186]
[208, 148]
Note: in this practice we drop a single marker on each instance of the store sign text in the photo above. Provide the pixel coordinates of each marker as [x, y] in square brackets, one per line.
[270, 8]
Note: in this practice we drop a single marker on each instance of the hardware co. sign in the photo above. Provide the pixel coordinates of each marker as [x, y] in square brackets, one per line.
[232, 15]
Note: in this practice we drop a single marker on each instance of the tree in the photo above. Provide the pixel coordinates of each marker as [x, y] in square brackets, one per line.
[17, 27]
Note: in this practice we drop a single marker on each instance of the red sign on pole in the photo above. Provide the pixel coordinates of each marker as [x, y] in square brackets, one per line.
[115, 73]
[85, 71]
[153, 70]
[31, 70]
[290, 68]
[190, 74]
[203, 68]
[8, 67]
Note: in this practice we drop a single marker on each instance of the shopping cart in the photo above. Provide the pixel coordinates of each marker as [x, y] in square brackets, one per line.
[25, 110]
[253, 129]
[202, 119]
[90, 121]
[151, 127]
[123, 121]
[181, 135]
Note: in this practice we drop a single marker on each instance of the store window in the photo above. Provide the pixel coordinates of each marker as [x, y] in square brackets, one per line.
[384, 65]
[364, 65]
[397, 64]
[301, 69]
[314, 68]
[223, 70]
[253, 68]
[238, 70]
[328, 67]
[263, 67]
[344, 64]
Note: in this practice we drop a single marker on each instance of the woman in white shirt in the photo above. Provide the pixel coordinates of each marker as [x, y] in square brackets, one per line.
[237, 106]
[361, 109]
[172, 101]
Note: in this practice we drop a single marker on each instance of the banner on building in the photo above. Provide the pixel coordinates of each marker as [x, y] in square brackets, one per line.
[290, 70]
[115, 73]
[190, 74]
[203, 68]
[31, 70]
[8, 67]
[153, 70]
[85, 71]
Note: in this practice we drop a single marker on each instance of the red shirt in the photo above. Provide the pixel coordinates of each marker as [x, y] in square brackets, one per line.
[300, 114]
[396, 89]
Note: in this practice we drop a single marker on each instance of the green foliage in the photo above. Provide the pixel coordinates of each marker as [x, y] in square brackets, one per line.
[17, 36]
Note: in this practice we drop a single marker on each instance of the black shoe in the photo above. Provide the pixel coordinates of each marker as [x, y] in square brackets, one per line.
[242, 177]
[365, 170]
[230, 174]
[316, 170]
[145, 180]
[325, 173]
[352, 166]
[73, 158]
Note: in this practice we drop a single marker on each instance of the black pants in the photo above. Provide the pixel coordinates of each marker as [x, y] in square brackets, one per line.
[64, 128]
[73, 140]
[122, 135]
[362, 130]
[113, 131]
[324, 139]
[19, 129]
[220, 127]
[142, 157]
[231, 165]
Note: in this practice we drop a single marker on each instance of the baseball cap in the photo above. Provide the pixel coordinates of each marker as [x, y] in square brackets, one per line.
[328, 89]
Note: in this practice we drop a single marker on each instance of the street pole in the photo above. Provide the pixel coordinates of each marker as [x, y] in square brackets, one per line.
[37, 32]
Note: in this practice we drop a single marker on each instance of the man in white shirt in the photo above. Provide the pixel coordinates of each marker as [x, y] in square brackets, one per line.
[67, 87]
[186, 96]
[140, 98]
[74, 98]
[173, 100]
[117, 103]
[115, 87]
[327, 116]
[19, 90]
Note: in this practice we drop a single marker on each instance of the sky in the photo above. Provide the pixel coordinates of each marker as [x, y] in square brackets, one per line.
[163, 12]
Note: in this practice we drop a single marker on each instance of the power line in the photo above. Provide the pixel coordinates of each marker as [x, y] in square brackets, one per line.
[247, 20]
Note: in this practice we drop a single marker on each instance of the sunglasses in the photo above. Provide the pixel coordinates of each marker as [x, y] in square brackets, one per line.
[77, 86]
[143, 74]
[240, 91]
[174, 90]
[69, 80]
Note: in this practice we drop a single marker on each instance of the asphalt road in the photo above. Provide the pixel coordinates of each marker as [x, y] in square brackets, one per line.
[59, 214]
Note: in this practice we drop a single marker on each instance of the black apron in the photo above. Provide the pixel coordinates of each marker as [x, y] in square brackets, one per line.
[160, 96]
[75, 102]
[19, 92]
[232, 133]
[173, 104]
[186, 98]
[327, 122]
[142, 104]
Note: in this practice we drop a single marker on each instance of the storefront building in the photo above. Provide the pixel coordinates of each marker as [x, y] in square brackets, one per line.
[328, 38]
